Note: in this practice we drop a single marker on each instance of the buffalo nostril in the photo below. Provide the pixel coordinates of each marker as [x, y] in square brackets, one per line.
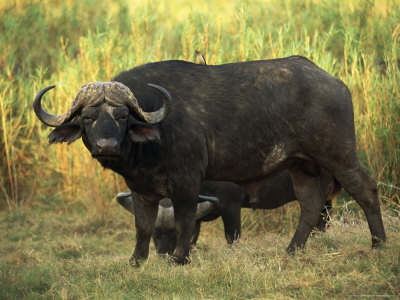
[107, 146]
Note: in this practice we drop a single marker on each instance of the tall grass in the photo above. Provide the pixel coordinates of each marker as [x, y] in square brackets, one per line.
[70, 43]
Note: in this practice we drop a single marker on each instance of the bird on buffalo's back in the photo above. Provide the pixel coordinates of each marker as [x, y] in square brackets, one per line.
[200, 58]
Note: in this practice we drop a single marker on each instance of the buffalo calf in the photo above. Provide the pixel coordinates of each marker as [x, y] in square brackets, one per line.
[226, 200]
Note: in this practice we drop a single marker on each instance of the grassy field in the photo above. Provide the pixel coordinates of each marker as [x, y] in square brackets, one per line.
[72, 256]
[63, 235]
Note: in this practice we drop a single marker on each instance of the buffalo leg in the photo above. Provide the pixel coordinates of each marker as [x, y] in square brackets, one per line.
[185, 204]
[358, 184]
[309, 195]
[232, 223]
[324, 218]
[145, 219]
[196, 232]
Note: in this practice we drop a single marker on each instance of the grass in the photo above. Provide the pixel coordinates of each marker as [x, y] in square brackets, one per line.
[63, 237]
[75, 256]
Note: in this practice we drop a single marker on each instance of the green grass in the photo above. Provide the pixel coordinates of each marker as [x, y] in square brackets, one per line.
[75, 256]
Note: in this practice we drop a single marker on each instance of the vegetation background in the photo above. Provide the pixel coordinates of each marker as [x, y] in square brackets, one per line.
[63, 235]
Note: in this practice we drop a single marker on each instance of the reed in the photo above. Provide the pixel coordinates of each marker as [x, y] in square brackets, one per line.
[70, 43]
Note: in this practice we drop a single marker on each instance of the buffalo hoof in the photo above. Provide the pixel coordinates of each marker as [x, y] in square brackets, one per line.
[378, 243]
[322, 226]
[292, 249]
[181, 261]
[136, 262]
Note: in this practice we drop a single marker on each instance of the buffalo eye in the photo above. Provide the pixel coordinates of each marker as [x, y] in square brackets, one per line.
[121, 115]
[88, 119]
[89, 115]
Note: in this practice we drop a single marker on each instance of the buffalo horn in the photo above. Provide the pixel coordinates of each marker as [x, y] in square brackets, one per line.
[208, 198]
[165, 217]
[158, 115]
[126, 201]
[116, 92]
[93, 93]
[204, 209]
[44, 116]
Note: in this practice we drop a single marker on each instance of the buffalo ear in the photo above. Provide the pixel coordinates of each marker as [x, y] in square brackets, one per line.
[141, 133]
[65, 133]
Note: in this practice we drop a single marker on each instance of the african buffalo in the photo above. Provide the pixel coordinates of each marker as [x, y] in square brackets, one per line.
[167, 126]
[228, 201]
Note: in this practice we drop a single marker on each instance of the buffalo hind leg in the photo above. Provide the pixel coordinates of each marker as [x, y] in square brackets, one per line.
[145, 218]
[324, 218]
[359, 185]
[309, 195]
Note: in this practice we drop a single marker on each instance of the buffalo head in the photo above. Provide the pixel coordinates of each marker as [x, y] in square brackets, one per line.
[103, 114]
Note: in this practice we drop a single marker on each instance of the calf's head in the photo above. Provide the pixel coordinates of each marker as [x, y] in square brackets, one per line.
[103, 114]
[165, 235]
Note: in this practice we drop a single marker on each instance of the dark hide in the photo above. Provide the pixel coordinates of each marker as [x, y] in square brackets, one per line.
[238, 122]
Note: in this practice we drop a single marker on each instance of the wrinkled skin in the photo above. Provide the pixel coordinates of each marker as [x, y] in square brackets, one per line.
[268, 194]
[239, 122]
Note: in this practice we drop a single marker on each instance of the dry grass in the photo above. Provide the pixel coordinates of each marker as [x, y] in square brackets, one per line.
[72, 256]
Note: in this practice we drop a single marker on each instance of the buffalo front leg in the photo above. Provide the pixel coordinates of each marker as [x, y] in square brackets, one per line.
[185, 204]
[309, 195]
[145, 219]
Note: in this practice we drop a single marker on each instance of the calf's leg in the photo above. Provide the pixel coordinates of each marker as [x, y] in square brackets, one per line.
[196, 232]
[232, 223]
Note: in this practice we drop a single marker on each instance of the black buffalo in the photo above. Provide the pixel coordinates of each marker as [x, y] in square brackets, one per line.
[226, 200]
[167, 126]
